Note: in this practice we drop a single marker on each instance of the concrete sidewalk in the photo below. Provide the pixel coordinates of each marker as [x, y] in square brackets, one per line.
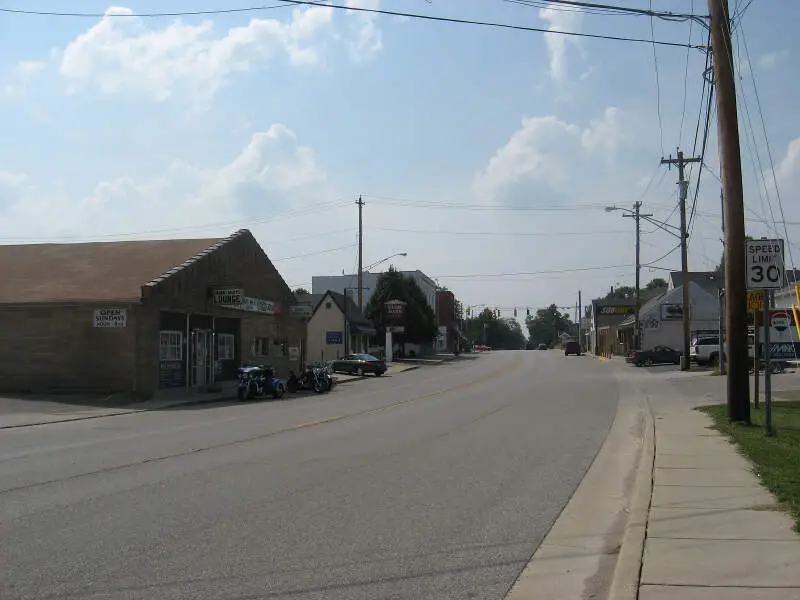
[713, 531]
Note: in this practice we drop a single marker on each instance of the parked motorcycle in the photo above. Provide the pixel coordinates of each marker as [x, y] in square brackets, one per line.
[325, 370]
[312, 378]
[256, 381]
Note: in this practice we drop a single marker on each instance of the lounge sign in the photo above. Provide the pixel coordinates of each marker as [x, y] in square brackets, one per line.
[234, 298]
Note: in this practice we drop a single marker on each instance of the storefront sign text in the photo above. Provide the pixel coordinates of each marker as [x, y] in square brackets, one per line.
[228, 296]
[110, 318]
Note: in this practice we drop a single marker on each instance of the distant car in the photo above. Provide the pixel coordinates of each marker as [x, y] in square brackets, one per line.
[658, 355]
[360, 364]
[572, 348]
[541, 347]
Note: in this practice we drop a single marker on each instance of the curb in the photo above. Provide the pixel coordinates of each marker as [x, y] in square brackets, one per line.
[628, 570]
[411, 368]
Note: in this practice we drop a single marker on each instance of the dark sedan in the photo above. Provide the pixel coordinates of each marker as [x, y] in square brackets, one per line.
[360, 364]
[657, 355]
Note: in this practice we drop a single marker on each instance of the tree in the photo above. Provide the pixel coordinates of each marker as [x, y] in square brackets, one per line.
[547, 325]
[301, 291]
[420, 321]
[497, 333]
[656, 284]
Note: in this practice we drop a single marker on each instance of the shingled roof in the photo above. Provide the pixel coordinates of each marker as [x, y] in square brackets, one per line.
[96, 271]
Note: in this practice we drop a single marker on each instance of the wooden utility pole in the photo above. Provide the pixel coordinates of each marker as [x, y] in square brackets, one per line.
[738, 381]
[637, 216]
[360, 204]
[683, 188]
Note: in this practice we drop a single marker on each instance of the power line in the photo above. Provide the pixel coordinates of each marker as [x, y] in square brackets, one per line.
[662, 257]
[377, 11]
[523, 273]
[658, 82]
[317, 253]
[500, 233]
[685, 81]
[606, 9]
[182, 13]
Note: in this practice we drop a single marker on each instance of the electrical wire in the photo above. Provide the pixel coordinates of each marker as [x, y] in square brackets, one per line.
[658, 82]
[317, 253]
[685, 81]
[660, 258]
[768, 145]
[591, 7]
[182, 13]
[523, 273]
[500, 233]
[376, 11]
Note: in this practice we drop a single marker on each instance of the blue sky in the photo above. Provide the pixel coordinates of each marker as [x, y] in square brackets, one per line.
[120, 127]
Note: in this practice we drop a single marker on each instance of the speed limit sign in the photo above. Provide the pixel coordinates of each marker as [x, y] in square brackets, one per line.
[764, 264]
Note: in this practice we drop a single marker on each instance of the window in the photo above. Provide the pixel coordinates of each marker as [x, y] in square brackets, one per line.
[225, 344]
[261, 346]
[170, 345]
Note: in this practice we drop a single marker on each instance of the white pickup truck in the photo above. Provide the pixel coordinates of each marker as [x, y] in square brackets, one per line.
[704, 350]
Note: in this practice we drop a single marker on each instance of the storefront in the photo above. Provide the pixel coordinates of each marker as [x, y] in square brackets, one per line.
[143, 316]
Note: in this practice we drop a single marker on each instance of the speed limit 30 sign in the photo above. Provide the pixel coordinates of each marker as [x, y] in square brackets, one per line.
[764, 264]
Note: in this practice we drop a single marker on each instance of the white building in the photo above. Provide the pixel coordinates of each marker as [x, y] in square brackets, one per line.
[339, 283]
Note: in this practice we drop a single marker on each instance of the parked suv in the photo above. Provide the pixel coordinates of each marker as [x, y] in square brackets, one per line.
[572, 348]
[705, 350]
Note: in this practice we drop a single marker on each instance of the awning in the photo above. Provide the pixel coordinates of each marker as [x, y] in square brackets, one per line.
[362, 330]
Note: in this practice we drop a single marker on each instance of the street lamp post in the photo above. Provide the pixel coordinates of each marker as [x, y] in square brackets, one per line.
[361, 280]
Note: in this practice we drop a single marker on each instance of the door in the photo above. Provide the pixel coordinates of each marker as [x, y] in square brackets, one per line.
[202, 357]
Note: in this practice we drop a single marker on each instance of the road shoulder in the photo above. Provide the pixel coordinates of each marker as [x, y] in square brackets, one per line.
[581, 557]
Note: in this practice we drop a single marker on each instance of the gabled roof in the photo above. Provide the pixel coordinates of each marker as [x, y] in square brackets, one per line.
[95, 271]
[706, 279]
[354, 315]
[673, 296]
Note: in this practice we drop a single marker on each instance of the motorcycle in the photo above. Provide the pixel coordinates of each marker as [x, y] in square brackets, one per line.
[325, 370]
[312, 378]
[255, 381]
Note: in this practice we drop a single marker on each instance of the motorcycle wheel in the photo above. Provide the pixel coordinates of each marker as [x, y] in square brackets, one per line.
[278, 391]
[319, 386]
[240, 394]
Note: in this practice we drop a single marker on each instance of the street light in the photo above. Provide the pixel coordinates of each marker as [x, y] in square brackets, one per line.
[361, 276]
[383, 260]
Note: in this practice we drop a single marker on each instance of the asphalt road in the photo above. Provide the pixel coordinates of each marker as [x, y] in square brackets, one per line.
[435, 483]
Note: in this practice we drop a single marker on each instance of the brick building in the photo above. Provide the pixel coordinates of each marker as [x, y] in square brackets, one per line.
[141, 315]
[450, 337]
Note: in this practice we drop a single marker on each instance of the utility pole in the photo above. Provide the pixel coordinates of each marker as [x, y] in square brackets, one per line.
[738, 381]
[683, 188]
[360, 204]
[580, 317]
[637, 216]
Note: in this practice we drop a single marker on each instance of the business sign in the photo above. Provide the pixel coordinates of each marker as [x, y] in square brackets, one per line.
[294, 352]
[764, 264]
[671, 312]
[301, 310]
[110, 318]
[608, 310]
[395, 311]
[234, 298]
[333, 337]
[231, 297]
[783, 341]
[755, 301]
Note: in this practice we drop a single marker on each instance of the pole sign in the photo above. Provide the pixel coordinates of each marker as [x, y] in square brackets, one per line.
[755, 302]
[764, 264]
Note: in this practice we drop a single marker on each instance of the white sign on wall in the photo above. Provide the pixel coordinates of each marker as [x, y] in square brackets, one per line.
[110, 318]
[764, 264]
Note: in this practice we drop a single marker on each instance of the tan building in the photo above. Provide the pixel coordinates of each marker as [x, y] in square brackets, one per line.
[140, 316]
[336, 328]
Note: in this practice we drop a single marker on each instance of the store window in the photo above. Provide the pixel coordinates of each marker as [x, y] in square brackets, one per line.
[261, 346]
[225, 346]
[170, 345]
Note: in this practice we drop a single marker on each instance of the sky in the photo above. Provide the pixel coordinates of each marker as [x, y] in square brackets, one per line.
[488, 155]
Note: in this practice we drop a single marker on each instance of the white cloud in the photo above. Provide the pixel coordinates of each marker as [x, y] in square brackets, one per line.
[123, 55]
[21, 76]
[557, 44]
[368, 37]
[272, 173]
[544, 156]
[770, 60]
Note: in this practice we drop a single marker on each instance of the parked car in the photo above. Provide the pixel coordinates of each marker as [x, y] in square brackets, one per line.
[658, 355]
[572, 347]
[360, 364]
[704, 350]
[541, 347]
